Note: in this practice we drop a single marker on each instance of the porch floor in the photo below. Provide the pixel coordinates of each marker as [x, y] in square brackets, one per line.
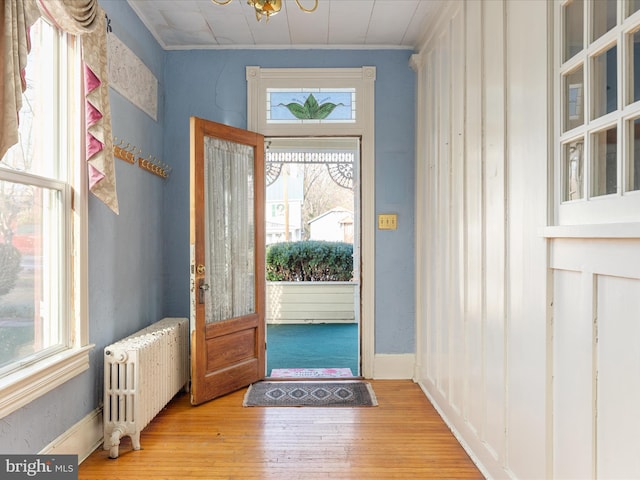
[324, 345]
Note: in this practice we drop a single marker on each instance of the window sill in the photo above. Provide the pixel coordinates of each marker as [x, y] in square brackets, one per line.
[29, 383]
[595, 231]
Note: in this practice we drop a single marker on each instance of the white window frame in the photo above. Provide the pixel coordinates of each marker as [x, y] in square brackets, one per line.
[32, 380]
[623, 206]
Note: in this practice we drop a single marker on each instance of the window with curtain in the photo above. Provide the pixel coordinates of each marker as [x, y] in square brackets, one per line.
[41, 336]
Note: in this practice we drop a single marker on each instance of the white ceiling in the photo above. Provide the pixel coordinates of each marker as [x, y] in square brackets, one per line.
[200, 24]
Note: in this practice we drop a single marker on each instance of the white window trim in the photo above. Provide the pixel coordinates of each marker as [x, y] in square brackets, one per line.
[623, 206]
[363, 79]
[30, 382]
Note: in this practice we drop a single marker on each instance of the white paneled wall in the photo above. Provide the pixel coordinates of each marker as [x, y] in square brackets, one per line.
[596, 359]
[573, 393]
[528, 334]
[482, 202]
[617, 302]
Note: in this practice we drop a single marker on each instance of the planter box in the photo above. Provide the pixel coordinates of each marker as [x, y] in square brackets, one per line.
[311, 302]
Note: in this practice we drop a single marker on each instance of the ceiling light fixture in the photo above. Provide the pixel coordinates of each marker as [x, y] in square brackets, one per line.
[266, 8]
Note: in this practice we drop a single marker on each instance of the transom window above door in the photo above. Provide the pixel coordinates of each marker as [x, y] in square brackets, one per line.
[311, 105]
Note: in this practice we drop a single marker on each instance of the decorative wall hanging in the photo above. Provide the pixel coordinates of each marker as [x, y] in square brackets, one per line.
[131, 78]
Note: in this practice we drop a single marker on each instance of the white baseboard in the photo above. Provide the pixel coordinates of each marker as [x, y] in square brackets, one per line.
[393, 367]
[488, 466]
[81, 439]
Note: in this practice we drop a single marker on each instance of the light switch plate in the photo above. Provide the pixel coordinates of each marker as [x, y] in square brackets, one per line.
[387, 221]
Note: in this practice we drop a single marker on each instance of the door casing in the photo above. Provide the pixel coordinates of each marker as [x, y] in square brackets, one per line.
[363, 80]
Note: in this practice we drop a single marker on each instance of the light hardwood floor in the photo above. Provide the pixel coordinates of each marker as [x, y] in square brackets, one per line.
[402, 438]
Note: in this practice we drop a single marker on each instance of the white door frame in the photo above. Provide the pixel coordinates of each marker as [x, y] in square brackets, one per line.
[363, 80]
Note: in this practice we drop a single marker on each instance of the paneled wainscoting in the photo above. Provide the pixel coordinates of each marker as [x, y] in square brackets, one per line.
[403, 437]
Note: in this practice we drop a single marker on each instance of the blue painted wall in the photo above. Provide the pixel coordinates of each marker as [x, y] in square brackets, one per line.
[126, 258]
[212, 84]
[139, 265]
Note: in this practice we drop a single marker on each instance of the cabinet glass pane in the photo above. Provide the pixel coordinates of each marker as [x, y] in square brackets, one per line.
[573, 170]
[604, 82]
[634, 71]
[573, 99]
[604, 166]
[573, 28]
[604, 17]
[633, 168]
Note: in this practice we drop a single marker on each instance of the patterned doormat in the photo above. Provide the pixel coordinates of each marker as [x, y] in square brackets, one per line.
[310, 394]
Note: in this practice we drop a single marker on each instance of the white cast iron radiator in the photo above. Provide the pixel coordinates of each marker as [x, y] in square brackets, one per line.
[142, 372]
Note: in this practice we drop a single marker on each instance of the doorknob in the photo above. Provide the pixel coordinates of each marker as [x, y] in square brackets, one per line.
[200, 269]
[202, 288]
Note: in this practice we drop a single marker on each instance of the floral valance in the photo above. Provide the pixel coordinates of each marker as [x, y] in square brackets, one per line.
[78, 17]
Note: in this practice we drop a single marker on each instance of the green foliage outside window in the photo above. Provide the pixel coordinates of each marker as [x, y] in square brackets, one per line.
[9, 267]
[310, 261]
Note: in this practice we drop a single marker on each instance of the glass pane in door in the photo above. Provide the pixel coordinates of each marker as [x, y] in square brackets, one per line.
[229, 231]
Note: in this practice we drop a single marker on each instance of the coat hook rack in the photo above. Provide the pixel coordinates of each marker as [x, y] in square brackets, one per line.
[130, 153]
[155, 166]
[124, 152]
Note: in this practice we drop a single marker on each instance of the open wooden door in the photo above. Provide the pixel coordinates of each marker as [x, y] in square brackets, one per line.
[227, 259]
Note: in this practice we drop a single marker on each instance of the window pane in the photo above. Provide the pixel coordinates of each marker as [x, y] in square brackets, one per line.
[604, 17]
[37, 135]
[574, 99]
[634, 6]
[573, 170]
[633, 168]
[311, 105]
[230, 230]
[634, 71]
[30, 271]
[573, 28]
[605, 82]
[604, 167]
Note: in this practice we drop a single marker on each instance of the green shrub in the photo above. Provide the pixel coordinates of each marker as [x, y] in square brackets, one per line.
[13, 341]
[9, 267]
[310, 261]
